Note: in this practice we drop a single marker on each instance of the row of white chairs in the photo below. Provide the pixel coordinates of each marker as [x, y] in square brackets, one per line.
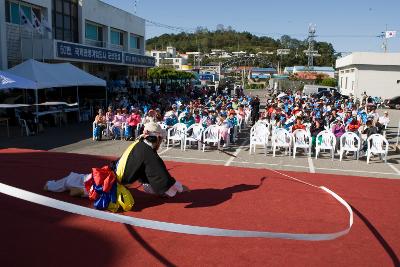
[325, 140]
[196, 133]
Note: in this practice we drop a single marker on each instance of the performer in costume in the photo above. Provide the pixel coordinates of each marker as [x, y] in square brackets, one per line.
[140, 162]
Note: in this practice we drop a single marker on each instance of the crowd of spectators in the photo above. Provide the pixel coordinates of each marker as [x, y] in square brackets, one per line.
[205, 106]
[127, 112]
[337, 114]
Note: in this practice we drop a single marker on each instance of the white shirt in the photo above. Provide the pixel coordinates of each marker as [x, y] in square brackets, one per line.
[384, 120]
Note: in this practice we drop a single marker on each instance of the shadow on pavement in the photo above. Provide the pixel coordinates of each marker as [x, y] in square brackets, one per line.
[51, 138]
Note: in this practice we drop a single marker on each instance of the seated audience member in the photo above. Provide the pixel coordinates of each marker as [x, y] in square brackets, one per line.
[110, 114]
[100, 125]
[118, 121]
[354, 124]
[383, 122]
[188, 119]
[315, 129]
[224, 125]
[370, 130]
[338, 130]
[298, 125]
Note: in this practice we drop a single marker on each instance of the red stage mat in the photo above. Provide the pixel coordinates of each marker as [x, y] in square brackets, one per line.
[223, 197]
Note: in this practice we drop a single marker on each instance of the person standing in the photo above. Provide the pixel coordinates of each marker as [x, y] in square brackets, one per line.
[255, 109]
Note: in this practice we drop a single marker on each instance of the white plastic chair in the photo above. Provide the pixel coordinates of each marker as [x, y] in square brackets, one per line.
[325, 140]
[308, 127]
[240, 121]
[350, 142]
[301, 139]
[377, 144]
[196, 135]
[122, 131]
[138, 128]
[211, 135]
[176, 133]
[258, 136]
[281, 138]
[247, 117]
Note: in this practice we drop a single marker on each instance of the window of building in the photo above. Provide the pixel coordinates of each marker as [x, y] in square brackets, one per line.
[345, 86]
[341, 82]
[12, 12]
[117, 37]
[134, 41]
[94, 32]
[7, 7]
[65, 20]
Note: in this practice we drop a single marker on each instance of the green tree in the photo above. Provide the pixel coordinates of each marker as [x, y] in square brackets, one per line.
[329, 82]
[204, 40]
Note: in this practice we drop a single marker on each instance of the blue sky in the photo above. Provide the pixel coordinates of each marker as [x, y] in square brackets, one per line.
[350, 25]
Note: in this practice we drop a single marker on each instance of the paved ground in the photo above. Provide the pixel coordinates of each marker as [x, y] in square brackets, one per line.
[76, 138]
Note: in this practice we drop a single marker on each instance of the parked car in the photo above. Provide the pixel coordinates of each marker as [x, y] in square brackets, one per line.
[393, 102]
[329, 94]
[310, 89]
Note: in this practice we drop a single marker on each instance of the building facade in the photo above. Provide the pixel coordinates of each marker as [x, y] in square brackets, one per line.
[97, 37]
[328, 71]
[377, 74]
[169, 58]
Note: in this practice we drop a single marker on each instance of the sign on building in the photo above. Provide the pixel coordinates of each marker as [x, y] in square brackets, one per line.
[96, 54]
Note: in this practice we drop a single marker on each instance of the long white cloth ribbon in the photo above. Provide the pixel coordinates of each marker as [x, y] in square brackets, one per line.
[173, 227]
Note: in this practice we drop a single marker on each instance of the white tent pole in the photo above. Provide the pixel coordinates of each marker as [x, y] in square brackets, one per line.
[37, 109]
[77, 100]
[398, 133]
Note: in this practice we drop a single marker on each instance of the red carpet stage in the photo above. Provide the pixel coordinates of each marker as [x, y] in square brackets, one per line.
[221, 197]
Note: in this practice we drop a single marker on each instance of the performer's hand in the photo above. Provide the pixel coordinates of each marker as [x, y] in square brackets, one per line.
[185, 188]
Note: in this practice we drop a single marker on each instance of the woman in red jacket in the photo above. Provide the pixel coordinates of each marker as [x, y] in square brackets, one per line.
[132, 122]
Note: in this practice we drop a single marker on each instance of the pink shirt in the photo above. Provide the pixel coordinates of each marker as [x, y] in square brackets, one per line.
[118, 120]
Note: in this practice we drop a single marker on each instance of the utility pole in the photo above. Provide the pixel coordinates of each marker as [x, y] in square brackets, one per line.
[135, 3]
[311, 36]
[384, 40]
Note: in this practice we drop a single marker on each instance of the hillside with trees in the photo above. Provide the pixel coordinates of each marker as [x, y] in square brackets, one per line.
[230, 40]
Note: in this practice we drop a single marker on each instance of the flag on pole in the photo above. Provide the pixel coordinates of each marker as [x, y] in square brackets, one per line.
[390, 34]
[45, 24]
[24, 21]
[36, 23]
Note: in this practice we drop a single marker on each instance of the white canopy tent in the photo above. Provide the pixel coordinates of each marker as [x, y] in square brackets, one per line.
[55, 75]
[47, 75]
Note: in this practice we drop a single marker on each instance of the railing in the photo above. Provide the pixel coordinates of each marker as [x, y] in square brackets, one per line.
[95, 43]
[111, 46]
